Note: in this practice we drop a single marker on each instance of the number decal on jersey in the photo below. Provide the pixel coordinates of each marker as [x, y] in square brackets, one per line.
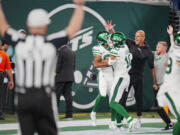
[169, 66]
[128, 60]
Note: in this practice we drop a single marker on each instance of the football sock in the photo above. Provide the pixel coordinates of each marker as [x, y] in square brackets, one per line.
[119, 109]
[119, 119]
[113, 115]
[163, 115]
[98, 100]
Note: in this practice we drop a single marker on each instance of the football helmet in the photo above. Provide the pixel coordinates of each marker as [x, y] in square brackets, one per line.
[177, 38]
[117, 39]
[102, 37]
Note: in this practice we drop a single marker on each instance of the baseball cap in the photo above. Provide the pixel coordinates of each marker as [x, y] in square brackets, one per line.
[38, 18]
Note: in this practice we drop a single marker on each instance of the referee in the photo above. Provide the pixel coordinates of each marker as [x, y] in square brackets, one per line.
[36, 61]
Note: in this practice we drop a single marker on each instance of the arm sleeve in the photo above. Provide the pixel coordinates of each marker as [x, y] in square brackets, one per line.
[150, 59]
[58, 39]
[12, 37]
[173, 47]
[59, 61]
[129, 42]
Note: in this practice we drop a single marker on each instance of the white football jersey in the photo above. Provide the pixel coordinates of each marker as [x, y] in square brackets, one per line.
[104, 53]
[123, 60]
[172, 74]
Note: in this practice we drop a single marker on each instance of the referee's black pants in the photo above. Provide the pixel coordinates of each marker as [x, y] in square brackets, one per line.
[65, 89]
[160, 110]
[37, 111]
[137, 83]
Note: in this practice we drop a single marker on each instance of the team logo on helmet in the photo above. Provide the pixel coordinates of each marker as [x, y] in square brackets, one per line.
[117, 39]
[177, 38]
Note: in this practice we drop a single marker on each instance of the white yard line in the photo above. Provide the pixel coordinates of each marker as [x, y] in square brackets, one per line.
[78, 123]
[141, 131]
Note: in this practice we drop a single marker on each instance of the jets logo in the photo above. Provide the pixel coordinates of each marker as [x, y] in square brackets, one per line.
[85, 35]
[83, 96]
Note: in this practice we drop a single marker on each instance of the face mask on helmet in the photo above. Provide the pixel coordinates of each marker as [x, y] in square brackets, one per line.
[102, 37]
[177, 38]
[118, 38]
[109, 42]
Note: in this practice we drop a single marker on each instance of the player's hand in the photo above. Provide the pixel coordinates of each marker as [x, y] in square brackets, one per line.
[79, 2]
[170, 30]
[155, 86]
[10, 85]
[109, 26]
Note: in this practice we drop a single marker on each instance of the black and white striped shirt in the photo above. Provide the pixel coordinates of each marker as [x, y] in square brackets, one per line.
[35, 57]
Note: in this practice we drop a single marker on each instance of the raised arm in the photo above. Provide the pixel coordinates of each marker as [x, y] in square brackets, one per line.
[76, 19]
[170, 32]
[3, 23]
[109, 26]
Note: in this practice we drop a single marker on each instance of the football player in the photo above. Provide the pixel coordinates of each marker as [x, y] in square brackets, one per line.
[101, 53]
[120, 59]
[169, 93]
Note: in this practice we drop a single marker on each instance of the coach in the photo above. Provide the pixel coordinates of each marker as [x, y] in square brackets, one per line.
[36, 57]
[141, 53]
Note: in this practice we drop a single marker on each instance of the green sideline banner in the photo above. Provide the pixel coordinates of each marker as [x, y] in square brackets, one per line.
[128, 17]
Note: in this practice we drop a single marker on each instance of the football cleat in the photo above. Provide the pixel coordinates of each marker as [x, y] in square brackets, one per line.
[112, 125]
[131, 123]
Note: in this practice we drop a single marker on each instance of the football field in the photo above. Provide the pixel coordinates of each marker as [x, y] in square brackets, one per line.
[150, 126]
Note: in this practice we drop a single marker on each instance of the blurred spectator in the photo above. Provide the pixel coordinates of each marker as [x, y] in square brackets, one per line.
[65, 77]
[176, 4]
[11, 54]
[5, 68]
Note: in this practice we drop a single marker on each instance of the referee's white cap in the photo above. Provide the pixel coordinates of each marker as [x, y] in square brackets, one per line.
[38, 18]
